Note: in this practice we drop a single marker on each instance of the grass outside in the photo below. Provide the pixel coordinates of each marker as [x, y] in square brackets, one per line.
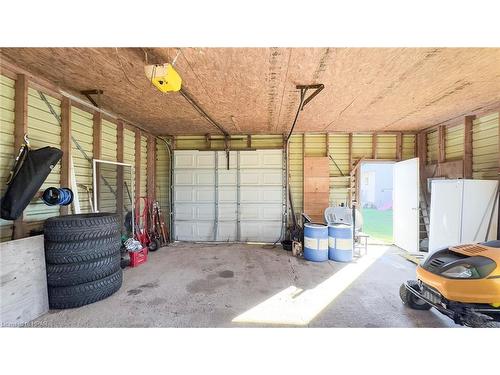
[378, 224]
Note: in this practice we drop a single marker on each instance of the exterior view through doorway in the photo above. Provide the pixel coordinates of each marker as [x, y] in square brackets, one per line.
[376, 201]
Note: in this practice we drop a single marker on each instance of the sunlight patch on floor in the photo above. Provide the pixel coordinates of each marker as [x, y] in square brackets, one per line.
[295, 306]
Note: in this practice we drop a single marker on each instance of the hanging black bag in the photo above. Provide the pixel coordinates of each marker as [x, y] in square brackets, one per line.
[29, 173]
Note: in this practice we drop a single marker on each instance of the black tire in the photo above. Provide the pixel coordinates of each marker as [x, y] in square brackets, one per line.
[81, 227]
[480, 321]
[84, 251]
[411, 300]
[153, 245]
[125, 260]
[80, 273]
[67, 297]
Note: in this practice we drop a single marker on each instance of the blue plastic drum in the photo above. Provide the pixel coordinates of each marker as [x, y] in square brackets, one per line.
[315, 242]
[340, 242]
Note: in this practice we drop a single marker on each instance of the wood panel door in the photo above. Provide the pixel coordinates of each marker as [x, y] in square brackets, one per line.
[316, 187]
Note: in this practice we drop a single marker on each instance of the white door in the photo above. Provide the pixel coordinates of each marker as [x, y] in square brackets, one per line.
[214, 203]
[406, 186]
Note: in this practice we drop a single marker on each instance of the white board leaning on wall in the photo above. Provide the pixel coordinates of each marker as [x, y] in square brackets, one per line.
[461, 212]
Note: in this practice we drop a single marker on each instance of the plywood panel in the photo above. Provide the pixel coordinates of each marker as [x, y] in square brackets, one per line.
[316, 186]
[252, 90]
[24, 281]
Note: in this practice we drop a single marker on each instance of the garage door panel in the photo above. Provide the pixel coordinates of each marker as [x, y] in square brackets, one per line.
[222, 160]
[260, 194]
[184, 159]
[227, 231]
[194, 194]
[228, 194]
[260, 232]
[194, 231]
[256, 177]
[261, 159]
[228, 177]
[228, 212]
[194, 177]
[194, 212]
[259, 212]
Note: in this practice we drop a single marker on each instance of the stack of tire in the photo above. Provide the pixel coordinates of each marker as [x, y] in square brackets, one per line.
[82, 254]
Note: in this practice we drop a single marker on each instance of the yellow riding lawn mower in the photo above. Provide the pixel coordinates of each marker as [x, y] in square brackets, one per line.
[462, 282]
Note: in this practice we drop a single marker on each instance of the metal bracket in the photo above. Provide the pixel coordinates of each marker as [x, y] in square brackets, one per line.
[87, 94]
[303, 90]
[303, 100]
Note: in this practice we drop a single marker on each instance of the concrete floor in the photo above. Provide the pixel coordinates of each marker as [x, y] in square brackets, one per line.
[235, 285]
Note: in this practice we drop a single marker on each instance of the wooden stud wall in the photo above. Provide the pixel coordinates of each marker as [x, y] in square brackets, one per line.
[466, 149]
[24, 112]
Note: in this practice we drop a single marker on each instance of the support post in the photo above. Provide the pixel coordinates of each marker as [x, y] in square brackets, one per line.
[349, 170]
[97, 150]
[422, 153]
[151, 157]
[137, 163]
[20, 129]
[374, 145]
[65, 178]
[441, 144]
[399, 146]
[468, 120]
[120, 172]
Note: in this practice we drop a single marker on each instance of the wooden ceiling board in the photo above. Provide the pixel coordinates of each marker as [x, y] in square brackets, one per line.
[252, 90]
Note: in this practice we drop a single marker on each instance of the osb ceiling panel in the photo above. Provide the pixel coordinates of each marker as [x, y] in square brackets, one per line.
[252, 90]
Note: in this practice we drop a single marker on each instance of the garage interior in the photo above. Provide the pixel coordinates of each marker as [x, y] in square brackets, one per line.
[253, 138]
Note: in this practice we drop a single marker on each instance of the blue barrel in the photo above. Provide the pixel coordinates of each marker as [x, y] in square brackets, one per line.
[340, 242]
[315, 242]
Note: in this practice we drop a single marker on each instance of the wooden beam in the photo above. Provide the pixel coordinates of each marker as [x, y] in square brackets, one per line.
[374, 146]
[349, 169]
[350, 152]
[327, 144]
[468, 120]
[137, 163]
[399, 146]
[422, 154]
[120, 173]
[97, 151]
[20, 129]
[151, 157]
[65, 177]
[249, 141]
[441, 144]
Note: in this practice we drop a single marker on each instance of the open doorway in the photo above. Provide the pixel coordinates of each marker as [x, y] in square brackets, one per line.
[376, 199]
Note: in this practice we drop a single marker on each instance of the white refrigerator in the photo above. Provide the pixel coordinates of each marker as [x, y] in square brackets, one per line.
[461, 212]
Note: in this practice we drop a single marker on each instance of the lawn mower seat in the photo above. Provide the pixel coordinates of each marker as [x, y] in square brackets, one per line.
[492, 243]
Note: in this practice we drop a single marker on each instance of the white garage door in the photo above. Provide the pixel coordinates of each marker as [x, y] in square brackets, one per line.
[212, 203]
